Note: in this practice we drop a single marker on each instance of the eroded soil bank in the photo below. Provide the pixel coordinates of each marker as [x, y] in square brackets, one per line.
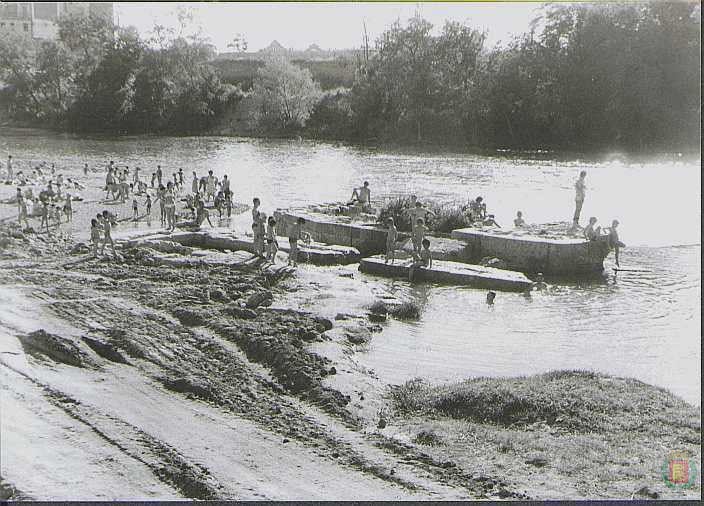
[125, 379]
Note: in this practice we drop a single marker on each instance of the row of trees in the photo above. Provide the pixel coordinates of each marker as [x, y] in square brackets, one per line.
[586, 77]
[98, 78]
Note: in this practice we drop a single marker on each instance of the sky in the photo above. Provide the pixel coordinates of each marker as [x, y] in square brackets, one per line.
[330, 25]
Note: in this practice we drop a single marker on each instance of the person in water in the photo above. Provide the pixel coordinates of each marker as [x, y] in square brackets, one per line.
[614, 241]
[391, 236]
[539, 283]
[519, 222]
[592, 233]
[425, 260]
[490, 298]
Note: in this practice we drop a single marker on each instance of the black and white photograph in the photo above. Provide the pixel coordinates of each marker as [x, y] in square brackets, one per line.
[335, 251]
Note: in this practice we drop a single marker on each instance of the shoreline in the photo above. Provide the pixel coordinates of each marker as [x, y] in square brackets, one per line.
[601, 155]
[267, 366]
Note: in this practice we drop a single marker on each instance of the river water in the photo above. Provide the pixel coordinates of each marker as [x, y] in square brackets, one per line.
[646, 325]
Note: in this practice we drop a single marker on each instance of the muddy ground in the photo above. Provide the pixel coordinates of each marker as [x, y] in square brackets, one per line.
[141, 381]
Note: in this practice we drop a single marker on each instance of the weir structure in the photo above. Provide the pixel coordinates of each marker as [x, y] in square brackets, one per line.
[552, 253]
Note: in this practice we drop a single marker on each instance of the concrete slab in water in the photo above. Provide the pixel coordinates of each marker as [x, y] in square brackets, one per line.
[365, 236]
[561, 256]
[444, 271]
[225, 239]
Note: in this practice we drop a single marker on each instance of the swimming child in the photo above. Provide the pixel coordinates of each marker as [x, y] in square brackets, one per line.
[539, 283]
[85, 169]
[296, 233]
[272, 245]
[194, 183]
[519, 222]
[425, 259]
[148, 203]
[135, 209]
[391, 236]
[490, 296]
[591, 233]
[94, 236]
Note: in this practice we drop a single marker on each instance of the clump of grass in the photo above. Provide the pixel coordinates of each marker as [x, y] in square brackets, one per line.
[427, 438]
[446, 219]
[378, 307]
[406, 311]
[579, 401]
[396, 209]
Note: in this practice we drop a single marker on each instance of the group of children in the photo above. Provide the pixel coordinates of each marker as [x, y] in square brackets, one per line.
[264, 232]
[101, 232]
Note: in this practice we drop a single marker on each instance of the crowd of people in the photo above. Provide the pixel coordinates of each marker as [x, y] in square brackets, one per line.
[55, 202]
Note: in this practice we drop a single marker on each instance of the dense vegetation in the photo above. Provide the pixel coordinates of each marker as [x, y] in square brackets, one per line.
[587, 77]
[95, 78]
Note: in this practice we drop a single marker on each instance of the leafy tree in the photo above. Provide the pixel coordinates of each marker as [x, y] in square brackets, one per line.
[285, 96]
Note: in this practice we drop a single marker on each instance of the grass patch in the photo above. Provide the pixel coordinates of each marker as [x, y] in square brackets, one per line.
[428, 438]
[379, 307]
[579, 401]
[406, 311]
[446, 219]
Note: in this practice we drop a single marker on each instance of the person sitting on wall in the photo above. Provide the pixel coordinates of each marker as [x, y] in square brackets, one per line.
[362, 197]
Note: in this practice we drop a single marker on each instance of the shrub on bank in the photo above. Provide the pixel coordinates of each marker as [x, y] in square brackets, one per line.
[576, 400]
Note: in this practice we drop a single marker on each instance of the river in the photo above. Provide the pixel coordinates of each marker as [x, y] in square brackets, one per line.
[645, 325]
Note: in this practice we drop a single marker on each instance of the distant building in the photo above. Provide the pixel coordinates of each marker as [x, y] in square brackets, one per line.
[312, 53]
[38, 20]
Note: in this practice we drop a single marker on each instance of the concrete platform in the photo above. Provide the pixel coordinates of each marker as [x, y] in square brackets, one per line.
[444, 271]
[526, 252]
[363, 234]
[222, 239]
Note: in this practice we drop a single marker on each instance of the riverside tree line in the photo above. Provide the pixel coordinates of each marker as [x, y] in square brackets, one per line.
[586, 77]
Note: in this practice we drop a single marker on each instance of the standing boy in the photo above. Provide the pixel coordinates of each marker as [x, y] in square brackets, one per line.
[296, 233]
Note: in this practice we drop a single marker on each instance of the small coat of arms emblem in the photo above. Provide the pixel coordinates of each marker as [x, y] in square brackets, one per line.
[679, 471]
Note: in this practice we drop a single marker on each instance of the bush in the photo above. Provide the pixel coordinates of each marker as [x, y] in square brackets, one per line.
[446, 218]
